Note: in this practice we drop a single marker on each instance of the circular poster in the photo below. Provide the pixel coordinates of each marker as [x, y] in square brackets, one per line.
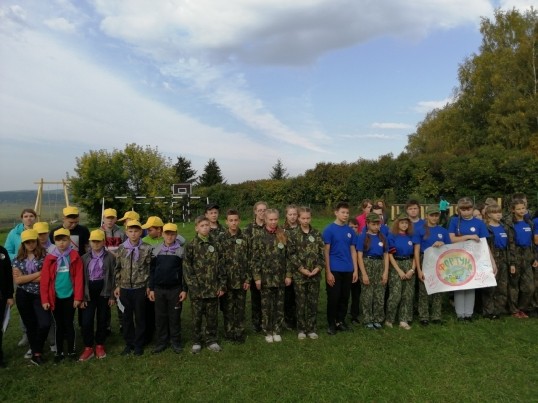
[455, 267]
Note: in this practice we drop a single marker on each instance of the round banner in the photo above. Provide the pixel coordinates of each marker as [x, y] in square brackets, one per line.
[455, 267]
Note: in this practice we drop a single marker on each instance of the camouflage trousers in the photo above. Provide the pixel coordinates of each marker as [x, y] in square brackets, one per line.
[272, 309]
[402, 293]
[306, 298]
[521, 284]
[208, 308]
[255, 306]
[495, 299]
[373, 295]
[234, 313]
[425, 301]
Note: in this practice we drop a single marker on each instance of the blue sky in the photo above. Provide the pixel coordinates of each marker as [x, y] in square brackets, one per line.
[243, 81]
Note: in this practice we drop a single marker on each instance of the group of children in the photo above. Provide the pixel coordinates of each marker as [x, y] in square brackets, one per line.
[149, 277]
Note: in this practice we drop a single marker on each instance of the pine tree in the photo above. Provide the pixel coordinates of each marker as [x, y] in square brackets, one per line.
[212, 174]
[183, 171]
[278, 171]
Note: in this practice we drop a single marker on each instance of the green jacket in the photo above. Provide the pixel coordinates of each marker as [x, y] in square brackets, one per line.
[270, 259]
[202, 268]
[130, 273]
[235, 259]
[307, 254]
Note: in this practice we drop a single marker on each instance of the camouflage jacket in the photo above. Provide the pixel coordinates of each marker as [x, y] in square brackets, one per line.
[130, 273]
[270, 259]
[202, 268]
[511, 232]
[307, 253]
[215, 232]
[235, 259]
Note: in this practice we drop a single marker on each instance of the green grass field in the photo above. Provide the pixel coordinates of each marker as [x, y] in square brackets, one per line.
[480, 361]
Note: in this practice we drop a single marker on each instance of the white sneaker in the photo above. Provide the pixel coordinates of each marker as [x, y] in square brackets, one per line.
[388, 324]
[28, 354]
[405, 325]
[269, 338]
[23, 341]
[214, 347]
[53, 348]
[196, 348]
[313, 335]
[277, 338]
[301, 336]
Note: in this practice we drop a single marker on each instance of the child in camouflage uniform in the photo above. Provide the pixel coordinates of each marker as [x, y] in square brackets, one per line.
[206, 280]
[307, 261]
[373, 261]
[234, 245]
[131, 279]
[271, 274]
[495, 299]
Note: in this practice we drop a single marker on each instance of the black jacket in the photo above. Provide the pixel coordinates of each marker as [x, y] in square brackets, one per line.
[6, 276]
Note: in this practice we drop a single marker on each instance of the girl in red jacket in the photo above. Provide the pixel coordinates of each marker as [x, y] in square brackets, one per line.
[62, 290]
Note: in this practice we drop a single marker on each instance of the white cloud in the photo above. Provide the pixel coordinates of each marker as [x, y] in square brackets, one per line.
[60, 24]
[396, 126]
[518, 4]
[427, 106]
[378, 136]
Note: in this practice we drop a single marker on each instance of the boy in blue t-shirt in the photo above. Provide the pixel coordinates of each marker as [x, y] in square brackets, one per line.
[340, 267]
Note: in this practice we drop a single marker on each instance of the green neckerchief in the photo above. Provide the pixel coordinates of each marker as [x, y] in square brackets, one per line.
[203, 238]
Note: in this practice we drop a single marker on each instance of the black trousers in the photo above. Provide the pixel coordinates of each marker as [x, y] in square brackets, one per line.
[97, 308]
[35, 318]
[3, 303]
[64, 314]
[256, 306]
[168, 316]
[290, 310]
[355, 300]
[134, 316]
[338, 297]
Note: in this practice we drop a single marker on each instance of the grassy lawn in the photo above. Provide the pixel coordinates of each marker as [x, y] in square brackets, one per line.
[480, 361]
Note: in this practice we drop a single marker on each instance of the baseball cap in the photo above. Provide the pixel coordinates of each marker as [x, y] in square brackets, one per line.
[153, 221]
[97, 235]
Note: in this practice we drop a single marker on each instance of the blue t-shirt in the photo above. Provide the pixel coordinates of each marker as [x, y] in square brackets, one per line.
[340, 238]
[63, 285]
[471, 226]
[376, 248]
[523, 233]
[402, 243]
[418, 224]
[500, 238]
[435, 234]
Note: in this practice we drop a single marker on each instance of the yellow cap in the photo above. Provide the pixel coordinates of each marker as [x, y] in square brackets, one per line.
[133, 223]
[70, 210]
[97, 235]
[110, 212]
[131, 215]
[153, 221]
[29, 235]
[42, 227]
[62, 231]
[170, 227]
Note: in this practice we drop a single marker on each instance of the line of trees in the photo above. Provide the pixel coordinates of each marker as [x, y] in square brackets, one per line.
[484, 143]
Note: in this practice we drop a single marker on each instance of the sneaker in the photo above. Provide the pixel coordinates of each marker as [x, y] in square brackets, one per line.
[214, 347]
[301, 336]
[523, 315]
[159, 349]
[86, 354]
[269, 338]
[313, 335]
[72, 356]
[23, 341]
[331, 330]
[100, 352]
[355, 321]
[424, 322]
[37, 359]
[342, 327]
[127, 350]
[369, 326]
[53, 348]
[176, 348]
[138, 351]
[277, 338]
[378, 325]
[58, 358]
[28, 354]
[388, 324]
[196, 348]
[405, 325]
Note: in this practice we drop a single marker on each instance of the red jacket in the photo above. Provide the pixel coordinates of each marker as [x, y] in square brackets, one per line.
[48, 278]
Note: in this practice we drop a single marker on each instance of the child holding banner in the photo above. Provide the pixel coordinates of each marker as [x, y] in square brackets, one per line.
[465, 227]
[430, 234]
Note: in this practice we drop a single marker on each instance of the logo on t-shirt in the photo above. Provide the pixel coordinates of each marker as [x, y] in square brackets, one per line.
[440, 236]
[380, 243]
[473, 229]
[409, 243]
[348, 235]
